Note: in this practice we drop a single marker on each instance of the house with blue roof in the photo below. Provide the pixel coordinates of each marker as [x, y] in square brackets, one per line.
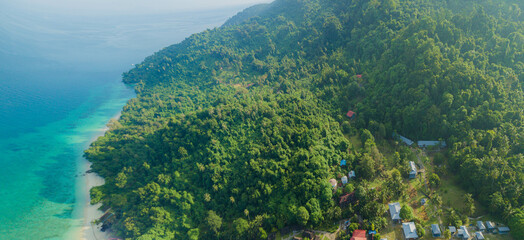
[403, 139]
[343, 162]
[480, 226]
[412, 169]
[503, 230]
[424, 144]
[410, 231]
[435, 230]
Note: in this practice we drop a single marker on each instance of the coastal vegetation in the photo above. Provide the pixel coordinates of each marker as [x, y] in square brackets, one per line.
[236, 131]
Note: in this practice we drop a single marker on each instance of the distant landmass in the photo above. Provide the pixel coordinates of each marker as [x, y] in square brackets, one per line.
[301, 118]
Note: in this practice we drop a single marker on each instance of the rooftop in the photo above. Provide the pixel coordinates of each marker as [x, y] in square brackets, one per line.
[435, 229]
[394, 211]
[359, 235]
[465, 232]
[410, 231]
[480, 225]
[431, 143]
[479, 235]
[412, 166]
[490, 225]
[503, 229]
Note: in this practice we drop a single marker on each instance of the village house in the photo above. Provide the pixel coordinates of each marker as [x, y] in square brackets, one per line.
[410, 231]
[359, 235]
[424, 144]
[479, 236]
[435, 230]
[344, 180]
[480, 226]
[343, 162]
[503, 230]
[403, 139]
[351, 114]
[413, 169]
[394, 211]
[452, 230]
[333, 183]
[351, 174]
[490, 226]
[463, 233]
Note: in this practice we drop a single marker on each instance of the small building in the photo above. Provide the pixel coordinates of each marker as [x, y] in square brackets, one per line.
[463, 233]
[394, 211]
[359, 235]
[503, 230]
[351, 114]
[343, 162]
[333, 183]
[452, 230]
[412, 170]
[424, 144]
[410, 231]
[423, 201]
[435, 230]
[403, 139]
[479, 236]
[351, 174]
[344, 180]
[480, 226]
[490, 226]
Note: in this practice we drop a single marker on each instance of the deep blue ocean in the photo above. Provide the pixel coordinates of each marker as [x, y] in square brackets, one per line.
[60, 83]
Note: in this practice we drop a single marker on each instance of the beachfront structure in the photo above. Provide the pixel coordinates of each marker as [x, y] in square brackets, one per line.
[344, 180]
[359, 235]
[403, 139]
[410, 231]
[503, 230]
[351, 174]
[413, 169]
[424, 144]
[435, 230]
[463, 233]
[479, 236]
[394, 211]
[480, 226]
[452, 229]
[490, 226]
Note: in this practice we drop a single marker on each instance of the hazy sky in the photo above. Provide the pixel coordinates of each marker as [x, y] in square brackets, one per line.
[105, 7]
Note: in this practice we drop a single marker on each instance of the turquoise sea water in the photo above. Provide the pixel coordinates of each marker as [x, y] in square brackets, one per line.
[59, 85]
[40, 167]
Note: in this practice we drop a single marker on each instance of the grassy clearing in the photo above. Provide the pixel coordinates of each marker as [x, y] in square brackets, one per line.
[453, 196]
[392, 231]
[355, 141]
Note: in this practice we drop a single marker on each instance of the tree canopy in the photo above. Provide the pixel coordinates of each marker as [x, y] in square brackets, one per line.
[237, 130]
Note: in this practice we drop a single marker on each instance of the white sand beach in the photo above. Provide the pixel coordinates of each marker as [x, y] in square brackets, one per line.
[87, 213]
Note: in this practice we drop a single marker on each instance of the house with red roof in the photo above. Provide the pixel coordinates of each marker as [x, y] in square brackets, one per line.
[359, 235]
[351, 114]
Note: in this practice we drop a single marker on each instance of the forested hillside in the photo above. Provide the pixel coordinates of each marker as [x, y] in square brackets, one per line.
[236, 131]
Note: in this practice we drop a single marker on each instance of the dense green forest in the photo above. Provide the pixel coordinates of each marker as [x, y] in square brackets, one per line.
[235, 131]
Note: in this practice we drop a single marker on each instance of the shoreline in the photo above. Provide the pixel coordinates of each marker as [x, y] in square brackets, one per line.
[87, 213]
